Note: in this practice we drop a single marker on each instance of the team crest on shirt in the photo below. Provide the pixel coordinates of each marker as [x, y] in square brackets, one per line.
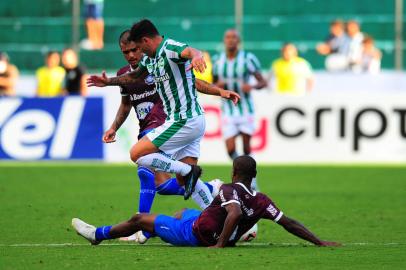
[150, 68]
[161, 63]
[149, 79]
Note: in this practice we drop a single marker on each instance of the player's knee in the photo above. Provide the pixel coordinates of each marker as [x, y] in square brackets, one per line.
[134, 156]
[144, 173]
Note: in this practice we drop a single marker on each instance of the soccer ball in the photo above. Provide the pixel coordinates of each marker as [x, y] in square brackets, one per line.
[250, 235]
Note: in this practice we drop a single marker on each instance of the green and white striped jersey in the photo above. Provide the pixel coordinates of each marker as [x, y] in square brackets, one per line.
[175, 85]
[235, 72]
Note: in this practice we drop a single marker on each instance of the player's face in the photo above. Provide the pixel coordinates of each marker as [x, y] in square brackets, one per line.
[336, 29]
[352, 28]
[289, 52]
[131, 53]
[69, 59]
[146, 46]
[53, 60]
[231, 40]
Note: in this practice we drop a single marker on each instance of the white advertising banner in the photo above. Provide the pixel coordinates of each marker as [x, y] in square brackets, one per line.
[330, 128]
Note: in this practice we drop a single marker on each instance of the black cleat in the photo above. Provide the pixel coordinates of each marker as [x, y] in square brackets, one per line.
[191, 180]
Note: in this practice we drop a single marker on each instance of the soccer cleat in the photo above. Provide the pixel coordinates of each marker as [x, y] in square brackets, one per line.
[137, 237]
[85, 230]
[216, 184]
[191, 180]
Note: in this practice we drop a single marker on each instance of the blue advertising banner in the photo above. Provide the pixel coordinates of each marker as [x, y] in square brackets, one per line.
[51, 128]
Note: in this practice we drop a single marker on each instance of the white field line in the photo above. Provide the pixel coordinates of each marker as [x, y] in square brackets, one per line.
[164, 244]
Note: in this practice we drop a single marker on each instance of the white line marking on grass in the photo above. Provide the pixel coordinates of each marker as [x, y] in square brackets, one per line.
[164, 244]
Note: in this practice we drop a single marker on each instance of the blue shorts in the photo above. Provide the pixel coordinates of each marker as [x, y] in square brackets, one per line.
[145, 132]
[177, 232]
[94, 11]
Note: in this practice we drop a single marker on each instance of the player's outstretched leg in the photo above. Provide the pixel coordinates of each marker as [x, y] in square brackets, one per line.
[95, 236]
[145, 154]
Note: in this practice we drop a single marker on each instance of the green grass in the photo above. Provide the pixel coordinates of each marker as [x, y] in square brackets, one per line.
[362, 207]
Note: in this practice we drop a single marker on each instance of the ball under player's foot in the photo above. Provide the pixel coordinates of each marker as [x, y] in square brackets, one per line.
[137, 237]
[85, 230]
[191, 180]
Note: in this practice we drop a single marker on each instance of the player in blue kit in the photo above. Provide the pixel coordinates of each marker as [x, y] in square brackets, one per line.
[232, 213]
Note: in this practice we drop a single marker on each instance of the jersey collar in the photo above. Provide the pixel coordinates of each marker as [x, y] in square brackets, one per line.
[158, 50]
[246, 189]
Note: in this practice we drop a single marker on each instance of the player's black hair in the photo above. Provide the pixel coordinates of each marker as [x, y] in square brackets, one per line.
[123, 38]
[143, 28]
[245, 168]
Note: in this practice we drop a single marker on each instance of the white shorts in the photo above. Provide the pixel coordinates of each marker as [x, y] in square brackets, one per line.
[234, 125]
[179, 139]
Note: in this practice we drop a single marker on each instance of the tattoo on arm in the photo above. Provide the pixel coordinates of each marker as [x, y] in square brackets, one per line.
[207, 88]
[122, 113]
[127, 78]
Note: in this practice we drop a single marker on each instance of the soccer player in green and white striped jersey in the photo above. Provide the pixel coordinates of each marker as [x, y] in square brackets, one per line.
[232, 70]
[179, 137]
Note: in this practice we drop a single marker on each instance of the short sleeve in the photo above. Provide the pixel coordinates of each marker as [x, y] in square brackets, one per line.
[174, 50]
[228, 195]
[253, 64]
[271, 212]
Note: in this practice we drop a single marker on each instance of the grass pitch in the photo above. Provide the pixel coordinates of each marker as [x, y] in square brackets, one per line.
[362, 207]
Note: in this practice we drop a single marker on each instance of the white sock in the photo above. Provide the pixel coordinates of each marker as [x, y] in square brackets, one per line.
[254, 184]
[202, 195]
[160, 162]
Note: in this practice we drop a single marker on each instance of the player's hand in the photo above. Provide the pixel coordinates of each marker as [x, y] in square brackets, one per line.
[98, 81]
[109, 136]
[246, 88]
[198, 64]
[329, 244]
[231, 95]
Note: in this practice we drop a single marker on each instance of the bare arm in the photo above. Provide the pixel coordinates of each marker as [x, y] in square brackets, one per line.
[230, 224]
[309, 84]
[297, 229]
[211, 89]
[125, 79]
[261, 83]
[83, 86]
[122, 114]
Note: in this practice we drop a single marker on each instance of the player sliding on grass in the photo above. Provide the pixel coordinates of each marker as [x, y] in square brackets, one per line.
[233, 212]
[171, 63]
[144, 98]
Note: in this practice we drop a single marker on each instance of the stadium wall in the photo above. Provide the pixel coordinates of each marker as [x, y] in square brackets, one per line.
[359, 120]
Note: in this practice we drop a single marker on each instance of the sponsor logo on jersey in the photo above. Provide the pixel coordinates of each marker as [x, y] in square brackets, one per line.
[135, 97]
[143, 109]
[150, 68]
[149, 79]
[272, 210]
[161, 63]
[162, 78]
